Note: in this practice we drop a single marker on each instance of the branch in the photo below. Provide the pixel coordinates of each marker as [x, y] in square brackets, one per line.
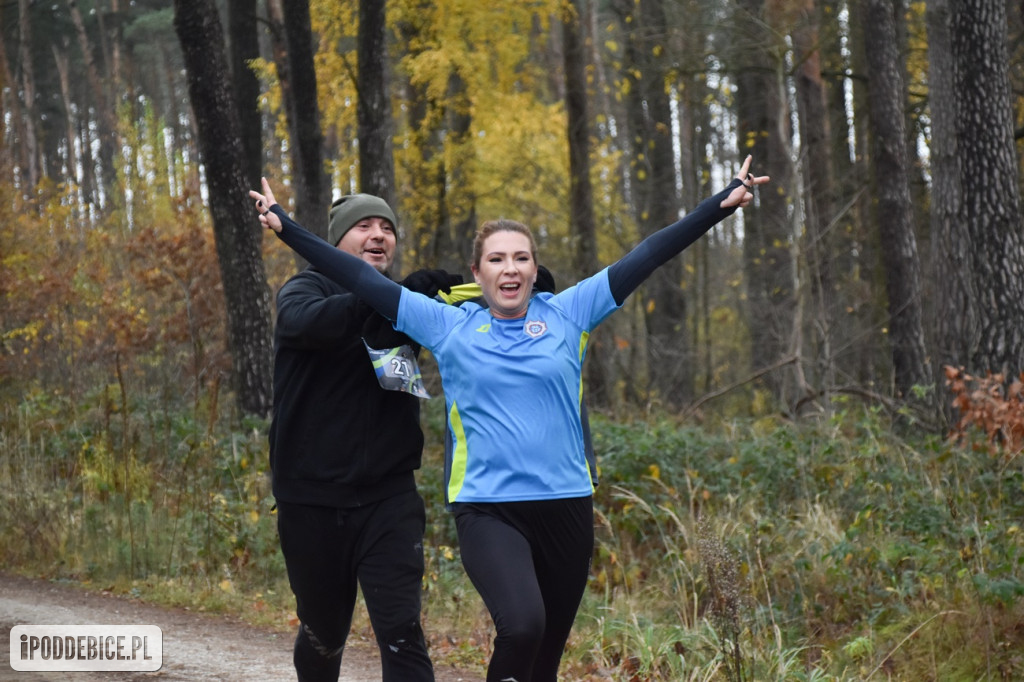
[757, 374]
[893, 405]
[871, 396]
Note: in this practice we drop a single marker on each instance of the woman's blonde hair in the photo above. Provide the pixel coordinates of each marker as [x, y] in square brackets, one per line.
[500, 225]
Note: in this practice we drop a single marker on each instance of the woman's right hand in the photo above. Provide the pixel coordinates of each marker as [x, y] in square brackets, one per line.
[263, 203]
[742, 195]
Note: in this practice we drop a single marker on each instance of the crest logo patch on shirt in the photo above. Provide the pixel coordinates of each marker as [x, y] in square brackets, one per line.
[535, 328]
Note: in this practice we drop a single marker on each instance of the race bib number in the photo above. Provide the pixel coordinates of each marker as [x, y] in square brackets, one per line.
[397, 370]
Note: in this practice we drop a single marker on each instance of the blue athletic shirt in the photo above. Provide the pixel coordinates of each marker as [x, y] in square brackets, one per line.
[512, 387]
[512, 390]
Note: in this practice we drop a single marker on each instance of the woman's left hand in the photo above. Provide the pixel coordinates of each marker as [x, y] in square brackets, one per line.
[263, 203]
[742, 195]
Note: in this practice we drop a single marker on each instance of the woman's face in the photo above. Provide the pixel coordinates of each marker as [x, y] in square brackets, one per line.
[506, 273]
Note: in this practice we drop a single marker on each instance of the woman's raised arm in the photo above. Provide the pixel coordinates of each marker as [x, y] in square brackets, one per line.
[629, 272]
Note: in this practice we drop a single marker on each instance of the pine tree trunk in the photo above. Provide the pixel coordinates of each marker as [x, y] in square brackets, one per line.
[583, 226]
[955, 310]
[859, 251]
[106, 115]
[655, 204]
[60, 58]
[895, 215]
[28, 88]
[458, 214]
[989, 176]
[237, 235]
[311, 193]
[818, 187]
[244, 48]
[376, 155]
[16, 157]
[763, 130]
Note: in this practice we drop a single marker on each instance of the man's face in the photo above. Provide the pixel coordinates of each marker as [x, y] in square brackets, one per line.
[373, 240]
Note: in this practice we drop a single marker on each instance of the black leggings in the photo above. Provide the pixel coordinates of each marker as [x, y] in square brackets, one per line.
[329, 551]
[530, 562]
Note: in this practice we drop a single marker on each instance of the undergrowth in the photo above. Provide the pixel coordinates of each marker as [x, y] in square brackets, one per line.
[757, 550]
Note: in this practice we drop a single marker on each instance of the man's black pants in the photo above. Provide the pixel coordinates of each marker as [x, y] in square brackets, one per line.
[328, 552]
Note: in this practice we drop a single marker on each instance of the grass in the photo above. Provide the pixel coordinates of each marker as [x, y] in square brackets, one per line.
[759, 550]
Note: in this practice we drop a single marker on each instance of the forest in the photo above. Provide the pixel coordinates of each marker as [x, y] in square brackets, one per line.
[810, 424]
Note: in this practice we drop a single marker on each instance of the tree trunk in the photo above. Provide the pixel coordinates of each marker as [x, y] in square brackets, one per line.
[115, 49]
[955, 309]
[895, 214]
[423, 159]
[244, 48]
[913, 112]
[235, 229]
[311, 196]
[458, 208]
[106, 114]
[439, 160]
[817, 185]
[989, 177]
[28, 87]
[60, 58]
[582, 223]
[649, 119]
[373, 113]
[859, 252]
[11, 110]
[376, 155]
[581, 192]
[763, 130]
[851, 233]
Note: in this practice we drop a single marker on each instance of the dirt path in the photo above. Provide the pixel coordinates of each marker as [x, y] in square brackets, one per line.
[195, 646]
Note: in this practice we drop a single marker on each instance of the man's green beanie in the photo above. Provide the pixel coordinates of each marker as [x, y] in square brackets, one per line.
[350, 209]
